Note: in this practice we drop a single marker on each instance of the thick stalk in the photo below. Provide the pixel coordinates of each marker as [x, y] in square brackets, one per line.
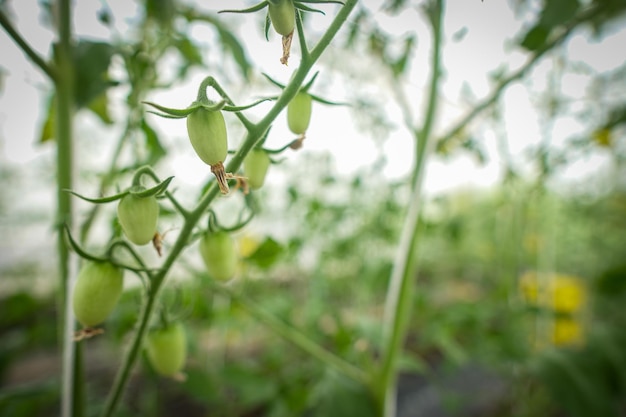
[255, 133]
[399, 294]
[71, 398]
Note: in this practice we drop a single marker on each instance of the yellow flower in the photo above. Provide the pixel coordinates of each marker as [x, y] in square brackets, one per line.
[568, 294]
[567, 331]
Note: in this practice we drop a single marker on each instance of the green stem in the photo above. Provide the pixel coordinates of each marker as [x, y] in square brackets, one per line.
[5, 22]
[294, 336]
[399, 294]
[255, 133]
[72, 379]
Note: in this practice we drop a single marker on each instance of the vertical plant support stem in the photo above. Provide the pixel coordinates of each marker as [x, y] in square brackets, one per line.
[399, 294]
[71, 397]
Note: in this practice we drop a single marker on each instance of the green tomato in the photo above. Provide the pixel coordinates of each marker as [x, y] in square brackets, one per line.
[208, 136]
[138, 217]
[167, 349]
[283, 16]
[299, 113]
[219, 254]
[97, 291]
[255, 167]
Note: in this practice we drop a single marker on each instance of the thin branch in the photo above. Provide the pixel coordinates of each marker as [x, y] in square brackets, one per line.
[517, 75]
[25, 47]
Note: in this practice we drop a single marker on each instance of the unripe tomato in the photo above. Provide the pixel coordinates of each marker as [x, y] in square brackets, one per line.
[299, 113]
[283, 16]
[208, 136]
[97, 291]
[219, 254]
[167, 349]
[138, 217]
[255, 167]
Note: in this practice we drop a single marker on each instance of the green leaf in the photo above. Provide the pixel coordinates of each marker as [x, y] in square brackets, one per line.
[535, 38]
[337, 396]
[100, 107]
[155, 149]
[49, 125]
[91, 64]
[266, 254]
[189, 51]
[558, 12]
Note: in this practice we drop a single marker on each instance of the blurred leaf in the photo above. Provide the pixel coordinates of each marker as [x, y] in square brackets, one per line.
[459, 34]
[395, 6]
[49, 125]
[91, 65]
[100, 107]
[266, 254]
[535, 38]
[231, 43]
[190, 53]
[251, 388]
[155, 149]
[558, 12]
[337, 396]
[577, 390]
[163, 11]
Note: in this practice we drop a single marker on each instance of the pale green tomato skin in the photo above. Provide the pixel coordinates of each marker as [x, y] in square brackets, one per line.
[167, 349]
[138, 217]
[97, 290]
[255, 168]
[219, 255]
[283, 16]
[208, 136]
[299, 113]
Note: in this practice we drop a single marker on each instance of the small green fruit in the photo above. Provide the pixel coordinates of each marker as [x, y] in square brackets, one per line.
[283, 16]
[97, 291]
[208, 136]
[167, 349]
[138, 217]
[299, 113]
[219, 254]
[255, 167]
